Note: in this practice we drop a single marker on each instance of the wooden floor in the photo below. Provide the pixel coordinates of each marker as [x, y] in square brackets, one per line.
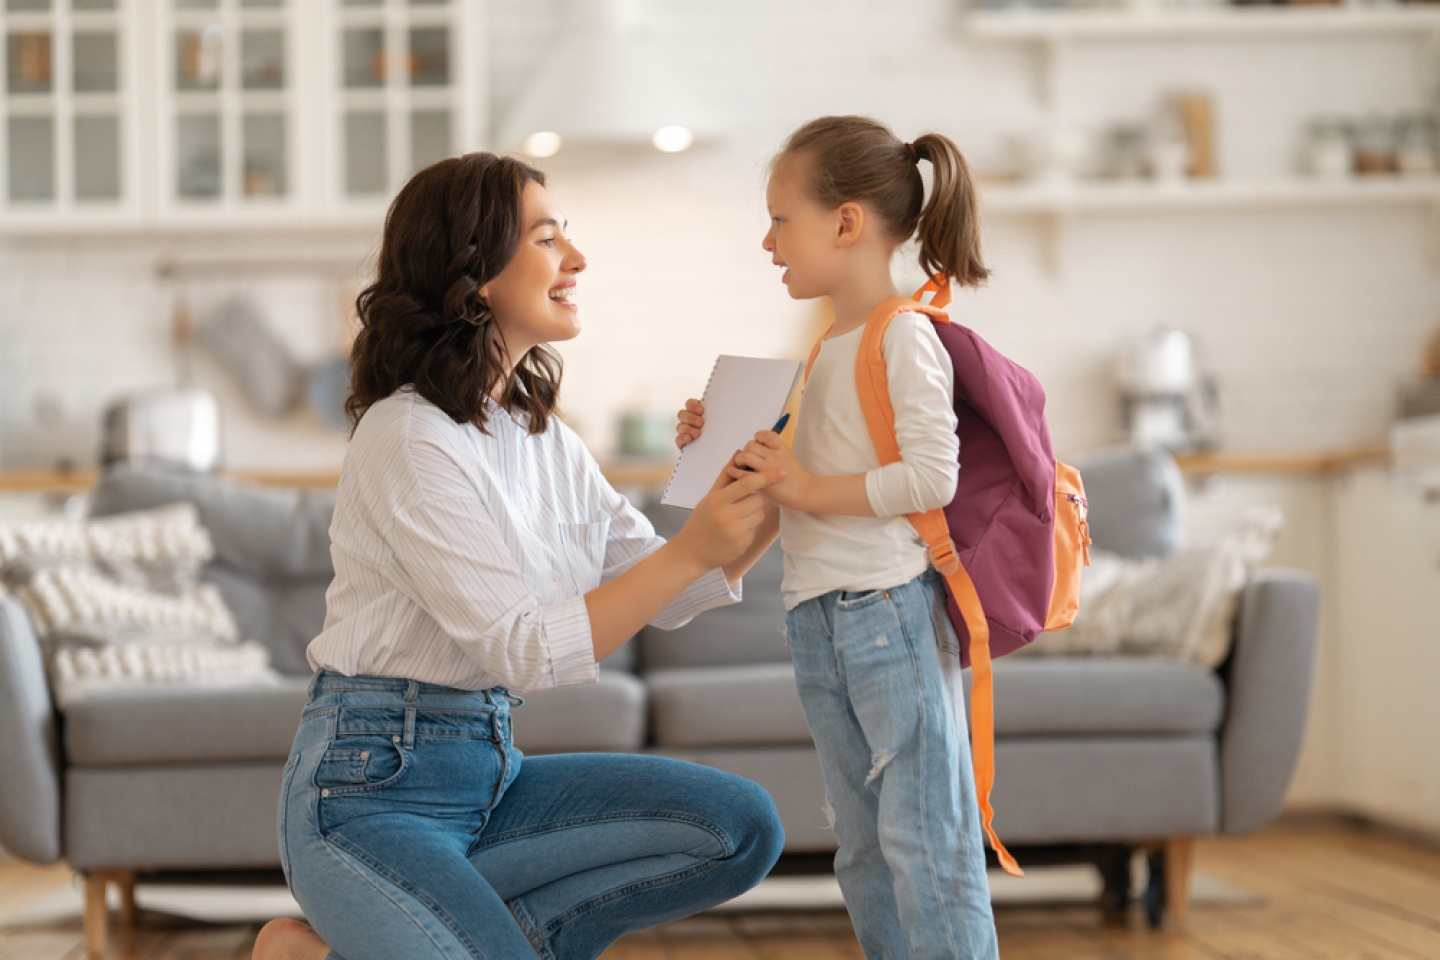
[1329, 891]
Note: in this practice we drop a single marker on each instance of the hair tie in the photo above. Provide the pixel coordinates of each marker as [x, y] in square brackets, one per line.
[914, 154]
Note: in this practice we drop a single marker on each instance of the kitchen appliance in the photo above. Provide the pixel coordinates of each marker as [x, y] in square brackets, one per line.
[179, 426]
[1165, 401]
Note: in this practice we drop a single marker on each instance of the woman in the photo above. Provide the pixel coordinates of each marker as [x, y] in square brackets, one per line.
[478, 550]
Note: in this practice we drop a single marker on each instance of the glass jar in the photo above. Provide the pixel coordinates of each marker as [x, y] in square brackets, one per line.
[1415, 145]
[1375, 145]
[1329, 149]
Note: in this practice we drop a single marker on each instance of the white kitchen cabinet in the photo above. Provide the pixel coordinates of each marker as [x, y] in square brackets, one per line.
[1387, 574]
[69, 111]
[224, 114]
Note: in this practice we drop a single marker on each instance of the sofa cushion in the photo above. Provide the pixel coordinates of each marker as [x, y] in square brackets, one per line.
[192, 817]
[1136, 500]
[170, 723]
[740, 633]
[606, 715]
[751, 705]
[1083, 696]
[272, 549]
[1105, 789]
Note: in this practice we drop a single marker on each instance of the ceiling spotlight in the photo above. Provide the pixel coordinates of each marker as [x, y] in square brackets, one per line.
[547, 144]
[673, 139]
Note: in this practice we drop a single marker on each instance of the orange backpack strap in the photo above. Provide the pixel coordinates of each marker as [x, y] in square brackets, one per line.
[873, 386]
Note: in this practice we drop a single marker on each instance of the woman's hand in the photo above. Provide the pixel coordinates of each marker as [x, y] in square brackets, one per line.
[721, 532]
[723, 524]
[692, 418]
[768, 453]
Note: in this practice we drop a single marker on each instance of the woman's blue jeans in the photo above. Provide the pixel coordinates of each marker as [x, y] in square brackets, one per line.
[409, 829]
[880, 681]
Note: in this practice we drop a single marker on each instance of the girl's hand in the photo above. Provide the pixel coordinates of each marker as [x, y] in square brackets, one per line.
[768, 453]
[723, 523]
[692, 418]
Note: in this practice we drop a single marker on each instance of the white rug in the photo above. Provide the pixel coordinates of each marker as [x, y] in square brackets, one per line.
[250, 904]
[1040, 885]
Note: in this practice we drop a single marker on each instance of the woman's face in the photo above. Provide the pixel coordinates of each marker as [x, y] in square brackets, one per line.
[533, 298]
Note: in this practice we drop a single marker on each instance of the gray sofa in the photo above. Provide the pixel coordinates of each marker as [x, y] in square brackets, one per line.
[1096, 757]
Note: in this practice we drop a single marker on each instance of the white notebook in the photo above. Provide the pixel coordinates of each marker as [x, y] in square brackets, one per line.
[744, 396]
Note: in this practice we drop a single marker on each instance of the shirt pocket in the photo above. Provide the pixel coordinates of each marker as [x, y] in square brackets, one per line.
[582, 555]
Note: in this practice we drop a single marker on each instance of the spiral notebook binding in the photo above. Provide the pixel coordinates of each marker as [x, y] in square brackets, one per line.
[705, 395]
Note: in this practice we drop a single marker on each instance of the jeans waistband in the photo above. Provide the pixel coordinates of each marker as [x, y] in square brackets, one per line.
[328, 681]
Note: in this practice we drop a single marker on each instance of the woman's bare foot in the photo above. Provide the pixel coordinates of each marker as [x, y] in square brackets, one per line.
[285, 939]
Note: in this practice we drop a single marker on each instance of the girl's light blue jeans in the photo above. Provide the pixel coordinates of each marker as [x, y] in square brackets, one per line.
[409, 828]
[880, 681]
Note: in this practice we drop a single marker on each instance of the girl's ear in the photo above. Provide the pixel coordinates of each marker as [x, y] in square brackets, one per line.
[483, 295]
[849, 223]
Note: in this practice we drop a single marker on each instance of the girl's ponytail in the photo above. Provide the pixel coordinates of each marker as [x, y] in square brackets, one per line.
[859, 159]
[949, 229]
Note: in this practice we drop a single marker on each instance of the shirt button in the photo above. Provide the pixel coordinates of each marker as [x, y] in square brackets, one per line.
[555, 576]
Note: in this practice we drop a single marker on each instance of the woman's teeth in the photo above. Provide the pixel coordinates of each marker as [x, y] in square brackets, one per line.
[564, 293]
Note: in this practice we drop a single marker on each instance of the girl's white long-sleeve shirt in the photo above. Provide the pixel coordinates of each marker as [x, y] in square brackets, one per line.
[463, 558]
[825, 552]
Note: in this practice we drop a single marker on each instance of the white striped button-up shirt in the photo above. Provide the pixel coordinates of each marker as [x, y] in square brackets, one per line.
[463, 558]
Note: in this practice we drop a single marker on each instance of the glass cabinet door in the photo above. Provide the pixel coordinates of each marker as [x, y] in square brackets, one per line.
[232, 91]
[398, 91]
[62, 104]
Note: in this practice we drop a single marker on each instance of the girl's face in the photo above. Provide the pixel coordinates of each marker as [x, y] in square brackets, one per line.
[533, 297]
[802, 235]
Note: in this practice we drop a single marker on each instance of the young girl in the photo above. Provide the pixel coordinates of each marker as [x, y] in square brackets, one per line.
[876, 659]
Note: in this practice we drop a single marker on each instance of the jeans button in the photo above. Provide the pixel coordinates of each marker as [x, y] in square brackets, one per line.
[325, 793]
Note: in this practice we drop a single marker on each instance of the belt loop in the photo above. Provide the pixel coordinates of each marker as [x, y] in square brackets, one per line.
[314, 682]
[410, 727]
[412, 690]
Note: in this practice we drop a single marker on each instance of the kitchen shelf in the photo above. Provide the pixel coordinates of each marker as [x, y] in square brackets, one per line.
[1057, 205]
[1147, 196]
[1025, 24]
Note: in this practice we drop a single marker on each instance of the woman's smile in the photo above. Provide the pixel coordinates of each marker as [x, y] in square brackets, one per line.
[564, 295]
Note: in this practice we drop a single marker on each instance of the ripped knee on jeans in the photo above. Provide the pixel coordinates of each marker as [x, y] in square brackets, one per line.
[880, 760]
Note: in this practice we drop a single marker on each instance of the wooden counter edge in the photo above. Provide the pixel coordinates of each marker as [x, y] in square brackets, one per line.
[1296, 464]
[621, 474]
[654, 474]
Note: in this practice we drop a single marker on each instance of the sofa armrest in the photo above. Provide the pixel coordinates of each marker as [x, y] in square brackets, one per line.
[1269, 684]
[29, 744]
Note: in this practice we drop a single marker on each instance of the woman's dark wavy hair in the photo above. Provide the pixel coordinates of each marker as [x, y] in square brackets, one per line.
[449, 231]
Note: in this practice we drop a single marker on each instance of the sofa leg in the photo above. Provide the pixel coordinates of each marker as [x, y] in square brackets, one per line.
[125, 880]
[97, 915]
[97, 908]
[1113, 862]
[1179, 866]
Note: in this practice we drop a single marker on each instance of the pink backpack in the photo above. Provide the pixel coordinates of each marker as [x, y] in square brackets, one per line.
[1013, 538]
